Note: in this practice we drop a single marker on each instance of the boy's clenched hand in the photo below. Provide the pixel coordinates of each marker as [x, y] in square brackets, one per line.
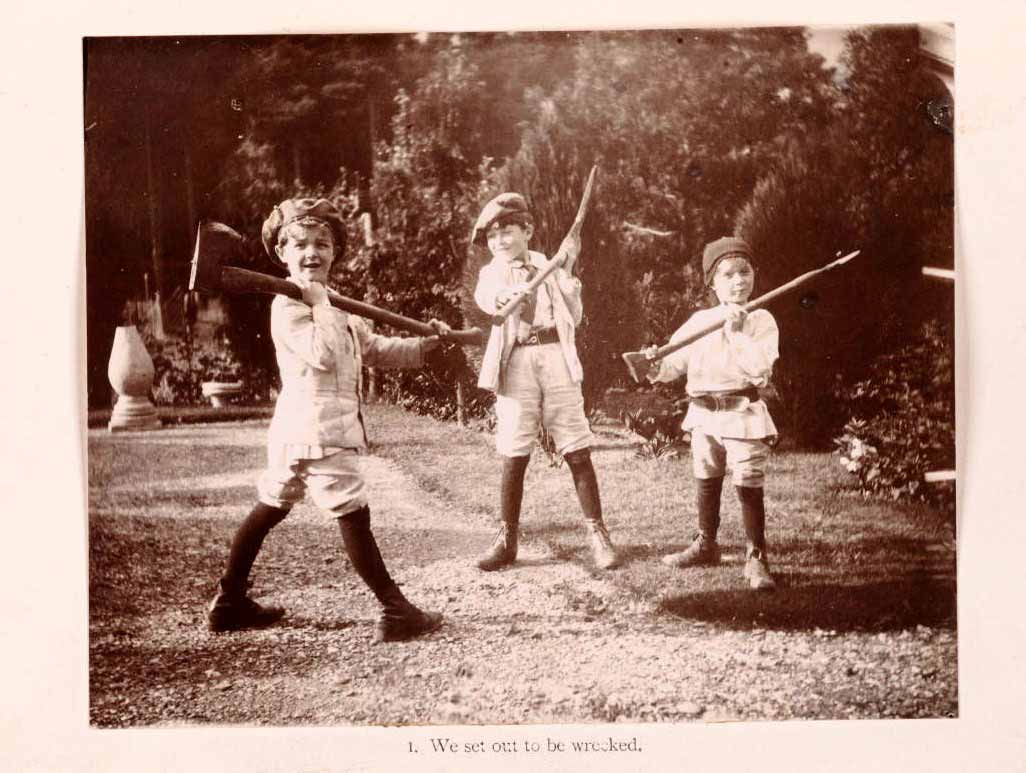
[443, 331]
[507, 294]
[735, 322]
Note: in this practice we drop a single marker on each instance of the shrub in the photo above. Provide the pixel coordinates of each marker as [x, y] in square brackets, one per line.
[181, 368]
[903, 421]
[660, 432]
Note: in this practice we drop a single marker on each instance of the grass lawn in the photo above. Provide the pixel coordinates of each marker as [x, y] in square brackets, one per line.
[862, 626]
[848, 564]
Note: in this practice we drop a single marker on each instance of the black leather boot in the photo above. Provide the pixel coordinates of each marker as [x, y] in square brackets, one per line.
[583, 472]
[400, 620]
[232, 609]
[503, 551]
[703, 551]
[753, 511]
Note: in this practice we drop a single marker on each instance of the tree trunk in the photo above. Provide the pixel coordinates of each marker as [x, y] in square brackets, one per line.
[190, 194]
[153, 200]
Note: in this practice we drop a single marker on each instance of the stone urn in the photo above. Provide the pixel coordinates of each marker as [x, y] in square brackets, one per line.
[130, 372]
[221, 392]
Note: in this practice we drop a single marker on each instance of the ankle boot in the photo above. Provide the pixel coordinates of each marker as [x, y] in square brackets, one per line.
[400, 620]
[503, 551]
[586, 483]
[231, 609]
[753, 512]
[703, 551]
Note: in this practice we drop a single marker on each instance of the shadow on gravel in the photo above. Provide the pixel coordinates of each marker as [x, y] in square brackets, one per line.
[881, 606]
[239, 655]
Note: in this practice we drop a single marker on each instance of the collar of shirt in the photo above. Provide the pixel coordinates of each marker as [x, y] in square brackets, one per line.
[523, 265]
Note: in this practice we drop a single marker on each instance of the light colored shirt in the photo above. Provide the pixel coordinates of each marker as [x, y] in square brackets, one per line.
[536, 312]
[320, 352]
[722, 362]
[564, 296]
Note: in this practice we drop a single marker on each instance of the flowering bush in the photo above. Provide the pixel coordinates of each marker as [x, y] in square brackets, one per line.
[903, 422]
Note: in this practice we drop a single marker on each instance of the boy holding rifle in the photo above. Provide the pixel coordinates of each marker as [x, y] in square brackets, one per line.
[531, 364]
[317, 433]
[729, 422]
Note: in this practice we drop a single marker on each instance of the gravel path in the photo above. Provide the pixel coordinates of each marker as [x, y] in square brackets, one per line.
[547, 641]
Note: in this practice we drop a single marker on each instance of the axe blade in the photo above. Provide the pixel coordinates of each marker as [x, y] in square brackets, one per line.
[215, 244]
[637, 363]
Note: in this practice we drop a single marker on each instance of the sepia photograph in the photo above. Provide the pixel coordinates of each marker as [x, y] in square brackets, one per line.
[638, 347]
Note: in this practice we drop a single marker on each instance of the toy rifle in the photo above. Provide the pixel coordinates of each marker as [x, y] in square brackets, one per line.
[573, 235]
[638, 363]
[215, 242]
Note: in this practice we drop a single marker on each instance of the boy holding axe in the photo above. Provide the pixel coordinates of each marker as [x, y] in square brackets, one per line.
[531, 364]
[317, 433]
[729, 422]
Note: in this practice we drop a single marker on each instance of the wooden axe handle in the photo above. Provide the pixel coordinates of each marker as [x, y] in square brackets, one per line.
[638, 362]
[557, 260]
[472, 335]
[241, 280]
[543, 273]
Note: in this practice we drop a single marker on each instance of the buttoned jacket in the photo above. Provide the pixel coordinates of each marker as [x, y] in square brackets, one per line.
[320, 352]
[565, 292]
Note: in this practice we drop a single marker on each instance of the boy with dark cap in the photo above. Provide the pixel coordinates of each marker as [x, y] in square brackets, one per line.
[729, 422]
[317, 432]
[531, 364]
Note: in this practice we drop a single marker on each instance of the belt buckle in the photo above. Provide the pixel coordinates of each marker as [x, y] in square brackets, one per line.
[532, 339]
[721, 403]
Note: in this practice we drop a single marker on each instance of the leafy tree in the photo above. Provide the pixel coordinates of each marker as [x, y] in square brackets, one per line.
[878, 179]
[426, 183]
[682, 123]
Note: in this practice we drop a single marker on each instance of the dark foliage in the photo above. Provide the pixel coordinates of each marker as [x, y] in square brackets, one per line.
[903, 421]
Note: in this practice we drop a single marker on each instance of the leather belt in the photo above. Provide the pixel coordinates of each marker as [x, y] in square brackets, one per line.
[727, 401]
[548, 335]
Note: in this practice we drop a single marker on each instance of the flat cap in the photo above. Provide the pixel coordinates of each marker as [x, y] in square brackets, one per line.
[506, 207]
[724, 247]
[306, 212]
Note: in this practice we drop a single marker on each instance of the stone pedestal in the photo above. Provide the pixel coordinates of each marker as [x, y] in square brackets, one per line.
[130, 371]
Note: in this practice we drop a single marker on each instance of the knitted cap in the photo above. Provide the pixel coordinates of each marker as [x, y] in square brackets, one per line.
[506, 207]
[305, 212]
[724, 247]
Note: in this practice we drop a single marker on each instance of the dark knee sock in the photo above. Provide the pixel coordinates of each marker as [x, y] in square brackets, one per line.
[365, 556]
[511, 489]
[708, 505]
[247, 542]
[753, 511]
[583, 472]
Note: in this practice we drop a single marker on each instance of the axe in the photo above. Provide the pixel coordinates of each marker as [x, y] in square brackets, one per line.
[638, 363]
[216, 242]
[557, 260]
